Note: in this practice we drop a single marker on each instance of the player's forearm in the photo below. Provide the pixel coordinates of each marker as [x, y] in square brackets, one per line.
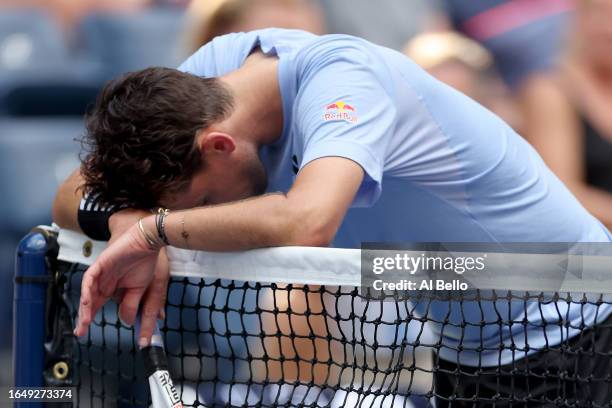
[266, 221]
[66, 203]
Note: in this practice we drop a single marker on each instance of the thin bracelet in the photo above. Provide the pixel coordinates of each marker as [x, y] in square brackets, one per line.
[150, 241]
[184, 233]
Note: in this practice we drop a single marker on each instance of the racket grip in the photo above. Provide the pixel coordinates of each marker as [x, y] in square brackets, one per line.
[163, 392]
[154, 359]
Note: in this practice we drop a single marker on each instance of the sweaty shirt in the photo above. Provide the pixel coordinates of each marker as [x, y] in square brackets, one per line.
[438, 166]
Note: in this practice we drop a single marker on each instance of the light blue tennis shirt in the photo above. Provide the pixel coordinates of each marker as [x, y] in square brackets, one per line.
[438, 167]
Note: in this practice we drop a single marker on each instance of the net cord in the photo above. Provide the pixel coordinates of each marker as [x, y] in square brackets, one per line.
[342, 267]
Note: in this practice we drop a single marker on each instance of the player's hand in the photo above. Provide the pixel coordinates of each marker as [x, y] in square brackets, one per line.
[128, 263]
[151, 304]
[123, 220]
[118, 223]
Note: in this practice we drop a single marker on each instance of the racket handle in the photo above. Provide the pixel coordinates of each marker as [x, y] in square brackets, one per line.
[154, 359]
[163, 392]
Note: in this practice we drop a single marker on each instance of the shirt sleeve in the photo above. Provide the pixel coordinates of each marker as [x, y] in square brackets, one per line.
[344, 110]
[221, 55]
[197, 63]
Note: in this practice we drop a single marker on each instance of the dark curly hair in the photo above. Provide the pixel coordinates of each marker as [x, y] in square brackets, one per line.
[140, 135]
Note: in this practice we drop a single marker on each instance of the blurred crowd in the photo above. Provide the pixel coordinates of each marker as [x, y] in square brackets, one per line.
[545, 66]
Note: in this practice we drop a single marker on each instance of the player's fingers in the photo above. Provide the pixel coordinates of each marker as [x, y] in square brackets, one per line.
[148, 319]
[96, 305]
[118, 295]
[162, 275]
[88, 294]
[86, 314]
[129, 305]
[154, 301]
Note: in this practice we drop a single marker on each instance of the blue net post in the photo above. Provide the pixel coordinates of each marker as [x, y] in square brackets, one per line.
[31, 280]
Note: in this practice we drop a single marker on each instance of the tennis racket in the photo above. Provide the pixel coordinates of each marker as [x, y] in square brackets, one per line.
[163, 392]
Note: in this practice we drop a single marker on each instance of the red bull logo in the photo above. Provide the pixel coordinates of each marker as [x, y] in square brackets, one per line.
[340, 111]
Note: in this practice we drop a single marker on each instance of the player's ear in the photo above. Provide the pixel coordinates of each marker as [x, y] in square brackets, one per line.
[217, 142]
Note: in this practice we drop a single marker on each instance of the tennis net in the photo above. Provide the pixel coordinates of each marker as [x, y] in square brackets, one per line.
[292, 327]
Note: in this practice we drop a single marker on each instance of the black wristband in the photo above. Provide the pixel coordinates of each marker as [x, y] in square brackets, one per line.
[93, 218]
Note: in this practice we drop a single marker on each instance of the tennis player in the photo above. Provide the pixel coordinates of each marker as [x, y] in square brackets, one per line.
[279, 137]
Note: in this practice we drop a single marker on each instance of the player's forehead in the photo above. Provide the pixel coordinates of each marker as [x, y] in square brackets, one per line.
[187, 197]
[192, 193]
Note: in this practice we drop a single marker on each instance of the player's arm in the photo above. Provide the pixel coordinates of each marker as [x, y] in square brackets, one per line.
[309, 214]
[553, 128]
[67, 200]
[342, 166]
[98, 222]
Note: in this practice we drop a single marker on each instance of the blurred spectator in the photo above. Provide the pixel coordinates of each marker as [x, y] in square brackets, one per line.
[54, 56]
[69, 12]
[122, 42]
[211, 18]
[568, 112]
[40, 75]
[390, 22]
[524, 36]
[28, 39]
[171, 3]
[466, 66]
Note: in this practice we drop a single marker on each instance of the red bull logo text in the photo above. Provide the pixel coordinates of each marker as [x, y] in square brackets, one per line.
[340, 111]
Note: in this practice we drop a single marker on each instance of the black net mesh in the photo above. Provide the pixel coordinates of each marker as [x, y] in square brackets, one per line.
[248, 344]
